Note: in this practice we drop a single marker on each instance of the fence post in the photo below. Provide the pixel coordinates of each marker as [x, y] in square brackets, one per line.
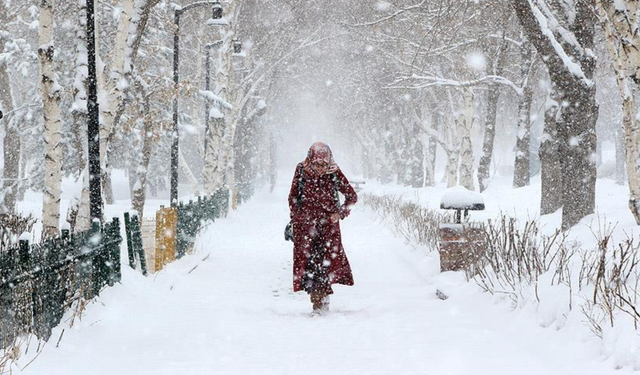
[127, 230]
[114, 247]
[23, 249]
[136, 239]
[97, 257]
[64, 233]
[181, 229]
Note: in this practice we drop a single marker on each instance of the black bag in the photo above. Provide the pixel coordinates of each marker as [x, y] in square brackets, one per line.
[288, 231]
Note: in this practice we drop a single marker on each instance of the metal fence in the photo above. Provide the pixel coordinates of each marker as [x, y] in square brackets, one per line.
[39, 282]
[176, 230]
[192, 216]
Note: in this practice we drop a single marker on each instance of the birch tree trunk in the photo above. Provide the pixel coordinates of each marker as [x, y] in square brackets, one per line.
[219, 138]
[79, 107]
[452, 149]
[623, 44]
[83, 219]
[465, 125]
[11, 142]
[432, 148]
[52, 124]
[184, 166]
[80, 113]
[115, 86]
[11, 145]
[129, 36]
[140, 187]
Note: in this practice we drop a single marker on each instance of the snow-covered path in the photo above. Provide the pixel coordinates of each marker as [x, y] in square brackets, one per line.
[235, 314]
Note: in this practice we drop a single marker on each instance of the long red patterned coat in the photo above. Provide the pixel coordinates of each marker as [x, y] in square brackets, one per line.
[312, 224]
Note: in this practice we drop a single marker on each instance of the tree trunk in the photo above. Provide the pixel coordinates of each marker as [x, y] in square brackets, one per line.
[577, 150]
[11, 150]
[465, 125]
[80, 117]
[550, 171]
[140, 188]
[451, 170]
[521, 170]
[9, 192]
[432, 149]
[79, 107]
[493, 94]
[216, 156]
[625, 59]
[620, 157]
[52, 123]
[213, 173]
[573, 86]
[186, 171]
[83, 218]
[129, 35]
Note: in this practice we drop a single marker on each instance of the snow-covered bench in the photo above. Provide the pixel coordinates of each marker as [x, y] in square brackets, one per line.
[461, 244]
[460, 199]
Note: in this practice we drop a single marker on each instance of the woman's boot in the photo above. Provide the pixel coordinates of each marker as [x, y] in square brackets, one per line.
[316, 300]
[324, 304]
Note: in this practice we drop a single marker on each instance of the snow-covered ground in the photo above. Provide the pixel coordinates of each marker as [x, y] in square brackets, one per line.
[229, 309]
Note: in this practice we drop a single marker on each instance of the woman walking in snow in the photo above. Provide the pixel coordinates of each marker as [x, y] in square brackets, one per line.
[319, 259]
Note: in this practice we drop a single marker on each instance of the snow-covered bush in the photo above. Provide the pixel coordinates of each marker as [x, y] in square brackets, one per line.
[416, 223]
[11, 227]
[560, 279]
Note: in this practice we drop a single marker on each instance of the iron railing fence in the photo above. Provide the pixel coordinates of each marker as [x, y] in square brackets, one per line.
[39, 282]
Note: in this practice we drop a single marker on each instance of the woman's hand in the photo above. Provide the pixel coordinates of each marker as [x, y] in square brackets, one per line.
[344, 212]
[335, 217]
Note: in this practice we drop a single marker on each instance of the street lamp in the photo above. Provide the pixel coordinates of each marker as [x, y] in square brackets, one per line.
[93, 128]
[237, 46]
[216, 13]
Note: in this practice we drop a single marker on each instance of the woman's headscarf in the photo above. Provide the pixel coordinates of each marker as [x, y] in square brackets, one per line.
[319, 160]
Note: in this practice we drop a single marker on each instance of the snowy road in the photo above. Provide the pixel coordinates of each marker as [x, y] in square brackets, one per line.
[235, 313]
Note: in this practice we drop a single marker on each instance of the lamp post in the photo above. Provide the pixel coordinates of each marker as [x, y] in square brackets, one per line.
[216, 14]
[93, 128]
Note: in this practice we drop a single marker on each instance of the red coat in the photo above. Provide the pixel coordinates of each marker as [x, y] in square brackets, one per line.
[312, 224]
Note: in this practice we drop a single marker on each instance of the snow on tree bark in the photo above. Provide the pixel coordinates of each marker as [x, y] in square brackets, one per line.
[52, 123]
[140, 187]
[133, 23]
[621, 32]
[465, 122]
[568, 55]
[80, 117]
